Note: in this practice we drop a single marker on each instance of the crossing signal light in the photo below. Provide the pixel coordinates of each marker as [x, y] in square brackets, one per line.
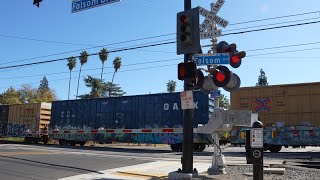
[187, 71]
[37, 2]
[221, 76]
[188, 32]
[233, 84]
[199, 80]
[235, 56]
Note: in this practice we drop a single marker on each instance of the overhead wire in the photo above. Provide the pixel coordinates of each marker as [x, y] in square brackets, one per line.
[133, 40]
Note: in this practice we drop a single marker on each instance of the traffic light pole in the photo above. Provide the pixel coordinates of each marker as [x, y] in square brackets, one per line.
[187, 146]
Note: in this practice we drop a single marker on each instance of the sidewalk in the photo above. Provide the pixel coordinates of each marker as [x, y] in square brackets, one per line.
[157, 170]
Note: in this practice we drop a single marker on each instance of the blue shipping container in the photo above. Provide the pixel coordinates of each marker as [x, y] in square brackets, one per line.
[127, 112]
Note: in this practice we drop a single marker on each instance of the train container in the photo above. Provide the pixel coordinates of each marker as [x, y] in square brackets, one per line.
[290, 113]
[144, 114]
[4, 112]
[28, 117]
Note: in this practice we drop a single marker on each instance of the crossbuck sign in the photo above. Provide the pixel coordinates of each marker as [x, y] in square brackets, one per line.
[206, 30]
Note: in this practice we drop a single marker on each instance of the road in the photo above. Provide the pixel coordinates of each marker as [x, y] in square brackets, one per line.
[19, 161]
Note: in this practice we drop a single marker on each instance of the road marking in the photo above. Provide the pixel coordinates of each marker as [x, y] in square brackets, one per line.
[27, 153]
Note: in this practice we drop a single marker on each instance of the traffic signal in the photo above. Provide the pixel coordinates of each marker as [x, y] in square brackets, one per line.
[187, 71]
[37, 2]
[235, 56]
[199, 80]
[221, 76]
[188, 32]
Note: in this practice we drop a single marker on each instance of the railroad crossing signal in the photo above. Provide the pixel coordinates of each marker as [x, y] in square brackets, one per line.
[221, 76]
[235, 56]
[187, 71]
[188, 33]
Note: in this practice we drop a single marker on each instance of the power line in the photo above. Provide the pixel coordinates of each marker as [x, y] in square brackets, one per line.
[277, 27]
[158, 44]
[278, 17]
[285, 46]
[245, 22]
[83, 70]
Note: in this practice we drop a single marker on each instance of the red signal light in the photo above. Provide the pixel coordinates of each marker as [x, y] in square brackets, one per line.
[235, 59]
[220, 77]
[183, 19]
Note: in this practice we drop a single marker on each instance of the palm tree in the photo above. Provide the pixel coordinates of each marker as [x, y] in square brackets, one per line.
[224, 101]
[103, 55]
[83, 60]
[71, 64]
[116, 65]
[171, 86]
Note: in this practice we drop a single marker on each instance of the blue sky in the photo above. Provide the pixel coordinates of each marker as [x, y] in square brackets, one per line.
[148, 70]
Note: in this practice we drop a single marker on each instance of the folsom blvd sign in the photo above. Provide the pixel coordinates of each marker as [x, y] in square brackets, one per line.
[80, 5]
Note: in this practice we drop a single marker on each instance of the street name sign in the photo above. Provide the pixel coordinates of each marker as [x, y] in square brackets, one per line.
[187, 100]
[215, 93]
[80, 5]
[211, 59]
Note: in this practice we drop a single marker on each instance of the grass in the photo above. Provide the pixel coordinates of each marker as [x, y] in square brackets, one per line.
[12, 139]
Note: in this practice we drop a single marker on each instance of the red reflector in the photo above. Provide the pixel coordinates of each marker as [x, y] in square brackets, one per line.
[55, 132]
[127, 130]
[66, 132]
[220, 77]
[146, 130]
[235, 59]
[80, 131]
[94, 131]
[109, 130]
[34, 132]
[167, 130]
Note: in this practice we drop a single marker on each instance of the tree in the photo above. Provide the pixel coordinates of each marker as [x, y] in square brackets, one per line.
[101, 89]
[83, 60]
[29, 94]
[262, 79]
[113, 90]
[44, 93]
[224, 102]
[11, 96]
[96, 86]
[71, 64]
[44, 85]
[171, 86]
[103, 55]
[116, 65]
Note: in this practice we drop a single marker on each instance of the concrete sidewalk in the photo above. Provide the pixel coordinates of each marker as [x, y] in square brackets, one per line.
[156, 170]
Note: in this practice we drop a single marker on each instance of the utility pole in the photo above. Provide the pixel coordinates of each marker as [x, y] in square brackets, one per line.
[188, 117]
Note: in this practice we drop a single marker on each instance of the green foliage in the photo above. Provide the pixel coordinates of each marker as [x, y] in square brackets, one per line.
[103, 55]
[116, 66]
[171, 86]
[224, 102]
[28, 94]
[262, 79]
[100, 89]
[44, 85]
[71, 63]
[10, 96]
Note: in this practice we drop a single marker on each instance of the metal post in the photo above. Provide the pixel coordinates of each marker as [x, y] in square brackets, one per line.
[187, 146]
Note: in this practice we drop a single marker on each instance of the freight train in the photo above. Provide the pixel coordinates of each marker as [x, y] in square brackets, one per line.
[153, 118]
[290, 114]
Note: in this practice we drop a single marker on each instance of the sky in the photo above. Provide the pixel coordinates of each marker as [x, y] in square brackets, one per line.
[31, 34]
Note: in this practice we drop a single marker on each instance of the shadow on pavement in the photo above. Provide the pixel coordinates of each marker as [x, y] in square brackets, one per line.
[50, 164]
